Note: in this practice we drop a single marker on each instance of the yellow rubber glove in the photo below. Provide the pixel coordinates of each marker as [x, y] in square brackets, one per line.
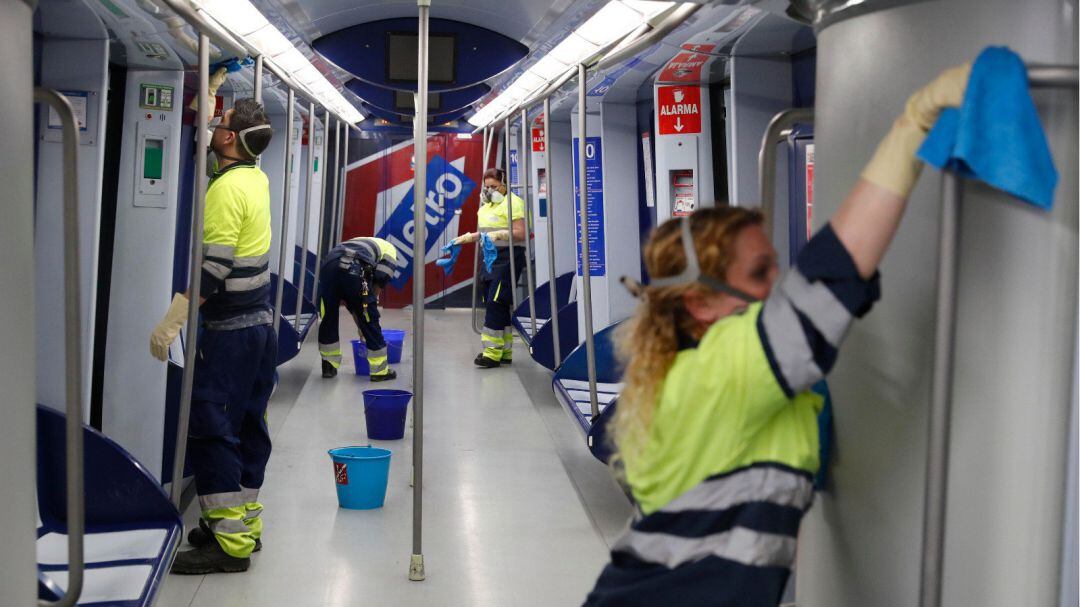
[216, 80]
[499, 235]
[169, 327]
[894, 165]
[466, 238]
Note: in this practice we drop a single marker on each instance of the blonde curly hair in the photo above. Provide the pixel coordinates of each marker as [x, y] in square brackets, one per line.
[649, 341]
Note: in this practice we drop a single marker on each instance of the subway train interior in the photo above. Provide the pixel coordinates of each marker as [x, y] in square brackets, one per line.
[815, 345]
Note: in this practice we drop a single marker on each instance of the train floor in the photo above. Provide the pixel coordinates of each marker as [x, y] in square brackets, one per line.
[516, 511]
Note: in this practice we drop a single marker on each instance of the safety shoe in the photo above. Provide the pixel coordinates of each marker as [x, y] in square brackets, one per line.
[389, 375]
[208, 558]
[201, 536]
[485, 363]
[328, 370]
[506, 361]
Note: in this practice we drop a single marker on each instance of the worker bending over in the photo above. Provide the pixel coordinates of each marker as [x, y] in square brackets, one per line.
[228, 441]
[354, 272]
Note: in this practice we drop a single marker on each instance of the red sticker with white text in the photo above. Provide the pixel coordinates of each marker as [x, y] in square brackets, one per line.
[341, 473]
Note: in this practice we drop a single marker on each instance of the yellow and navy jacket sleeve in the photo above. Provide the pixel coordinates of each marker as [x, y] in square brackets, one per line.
[807, 315]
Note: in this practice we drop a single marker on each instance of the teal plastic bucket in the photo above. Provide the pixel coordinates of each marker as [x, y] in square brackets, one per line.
[360, 475]
[384, 412]
[395, 343]
[359, 355]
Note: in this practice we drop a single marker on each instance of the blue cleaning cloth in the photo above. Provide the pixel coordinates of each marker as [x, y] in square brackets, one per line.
[231, 65]
[996, 136]
[490, 252]
[447, 263]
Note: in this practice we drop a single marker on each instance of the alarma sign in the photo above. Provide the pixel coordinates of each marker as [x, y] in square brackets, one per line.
[678, 110]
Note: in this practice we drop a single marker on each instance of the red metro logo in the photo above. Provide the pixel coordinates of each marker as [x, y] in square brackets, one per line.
[678, 110]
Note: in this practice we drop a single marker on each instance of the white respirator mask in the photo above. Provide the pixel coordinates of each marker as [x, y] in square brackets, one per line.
[693, 273]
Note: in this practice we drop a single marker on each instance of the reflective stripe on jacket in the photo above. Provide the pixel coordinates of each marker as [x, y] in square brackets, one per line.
[375, 252]
[236, 248]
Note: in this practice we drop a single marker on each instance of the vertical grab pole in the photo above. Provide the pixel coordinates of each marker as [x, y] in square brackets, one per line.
[476, 246]
[198, 208]
[307, 213]
[336, 201]
[258, 84]
[284, 237]
[322, 211]
[340, 233]
[586, 270]
[416, 562]
[76, 493]
[523, 170]
[937, 457]
[551, 234]
[510, 221]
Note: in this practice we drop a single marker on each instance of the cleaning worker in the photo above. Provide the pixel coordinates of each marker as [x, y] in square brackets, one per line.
[716, 430]
[496, 282]
[354, 272]
[228, 441]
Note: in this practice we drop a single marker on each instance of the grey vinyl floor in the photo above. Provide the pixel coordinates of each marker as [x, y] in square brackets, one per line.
[516, 512]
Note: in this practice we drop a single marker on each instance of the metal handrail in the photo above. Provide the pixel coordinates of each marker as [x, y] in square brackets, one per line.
[552, 295]
[334, 200]
[937, 457]
[322, 212]
[473, 320]
[523, 170]
[257, 81]
[76, 493]
[339, 232]
[279, 297]
[767, 159]
[416, 561]
[510, 220]
[586, 269]
[307, 213]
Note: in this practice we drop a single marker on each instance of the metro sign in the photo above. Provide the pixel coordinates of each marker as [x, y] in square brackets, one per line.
[380, 203]
[678, 110]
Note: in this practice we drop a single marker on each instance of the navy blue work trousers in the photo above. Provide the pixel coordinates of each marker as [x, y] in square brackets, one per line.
[497, 287]
[228, 440]
[337, 285]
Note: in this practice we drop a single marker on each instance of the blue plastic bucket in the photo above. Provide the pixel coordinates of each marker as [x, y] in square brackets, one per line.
[359, 356]
[360, 475]
[384, 411]
[395, 342]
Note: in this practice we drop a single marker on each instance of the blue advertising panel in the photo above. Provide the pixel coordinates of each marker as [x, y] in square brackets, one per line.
[445, 184]
[513, 168]
[594, 182]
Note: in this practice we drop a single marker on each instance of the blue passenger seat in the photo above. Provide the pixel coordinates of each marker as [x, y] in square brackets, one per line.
[290, 335]
[538, 338]
[132, 529]
[571, 384]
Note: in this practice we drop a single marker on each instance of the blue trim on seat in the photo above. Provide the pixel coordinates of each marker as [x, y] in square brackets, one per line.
[543, 351]
[542, 296]
[121, 495]
[575, 367]
[289, 339]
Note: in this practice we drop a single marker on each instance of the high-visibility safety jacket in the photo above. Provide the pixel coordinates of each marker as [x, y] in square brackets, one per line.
[726, 472]
[492, 216]
[375, 252]
[236, 249]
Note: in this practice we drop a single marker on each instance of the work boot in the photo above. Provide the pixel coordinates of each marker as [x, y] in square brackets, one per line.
[389, 375]
[485, 363]
[208, 558]
[506, 361]
[201, 536]
[328, 370]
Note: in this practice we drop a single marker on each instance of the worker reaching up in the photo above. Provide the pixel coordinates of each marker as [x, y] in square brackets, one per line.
[228, 441]
[716, 430]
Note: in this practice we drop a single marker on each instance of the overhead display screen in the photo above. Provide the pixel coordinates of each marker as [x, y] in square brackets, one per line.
[403, 100]
[401, 57]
